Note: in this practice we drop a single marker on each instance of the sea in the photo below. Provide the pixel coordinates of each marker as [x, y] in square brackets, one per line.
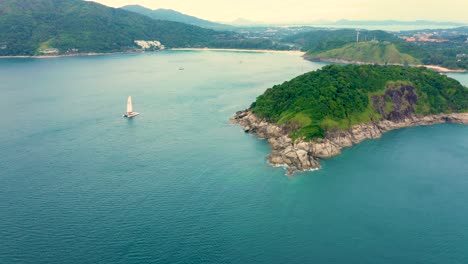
[391, 27]
[179, 184]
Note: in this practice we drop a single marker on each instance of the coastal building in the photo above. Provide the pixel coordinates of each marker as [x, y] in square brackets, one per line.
[425, 37]
[72, 50]
[150, 44]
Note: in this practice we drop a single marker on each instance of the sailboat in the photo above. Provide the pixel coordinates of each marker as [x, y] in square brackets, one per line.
[130, 112]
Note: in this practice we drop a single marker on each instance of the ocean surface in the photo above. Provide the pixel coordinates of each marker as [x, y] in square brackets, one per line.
[179, 184]
[390, 27]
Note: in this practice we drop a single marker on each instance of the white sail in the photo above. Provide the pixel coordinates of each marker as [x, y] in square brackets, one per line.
[129, 105]
[129, 113]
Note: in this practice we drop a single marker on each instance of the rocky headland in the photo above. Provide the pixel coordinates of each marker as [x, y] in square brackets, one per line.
[302, 155]
[317, 114]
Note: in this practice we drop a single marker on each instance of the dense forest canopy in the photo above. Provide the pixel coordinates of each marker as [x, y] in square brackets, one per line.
[29, 26]
[337, 97]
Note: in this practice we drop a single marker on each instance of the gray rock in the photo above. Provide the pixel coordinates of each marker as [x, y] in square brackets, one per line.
[302, 155]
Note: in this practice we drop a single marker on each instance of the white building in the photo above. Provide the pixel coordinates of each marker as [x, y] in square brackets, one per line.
[150, 44]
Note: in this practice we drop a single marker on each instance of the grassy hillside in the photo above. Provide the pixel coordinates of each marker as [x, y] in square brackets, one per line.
[172, 15]
[338, 97]
[323, 40]
[370, 52]
[338, 45]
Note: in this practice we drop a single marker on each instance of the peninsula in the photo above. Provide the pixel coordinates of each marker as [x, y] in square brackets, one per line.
[315, 115]
[440, 50]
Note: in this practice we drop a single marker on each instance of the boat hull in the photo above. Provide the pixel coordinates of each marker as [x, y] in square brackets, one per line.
[130, 115]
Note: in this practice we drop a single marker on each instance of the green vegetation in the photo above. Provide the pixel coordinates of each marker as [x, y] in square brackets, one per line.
[451, 53]
[370, 52]
[338, 97]
[337, 44]
[444, 54]
[249, 43]
[323, 40]
[30, 27]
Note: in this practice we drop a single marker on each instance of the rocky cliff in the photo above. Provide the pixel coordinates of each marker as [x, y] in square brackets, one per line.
[301, 155]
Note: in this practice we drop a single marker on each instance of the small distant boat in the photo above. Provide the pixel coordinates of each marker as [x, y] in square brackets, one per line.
[181, 69]
[130, 113]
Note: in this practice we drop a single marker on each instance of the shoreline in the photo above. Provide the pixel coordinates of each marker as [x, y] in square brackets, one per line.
[300, 155]
[436, 68]
[292, 52]
[87, 54]
[441, 69]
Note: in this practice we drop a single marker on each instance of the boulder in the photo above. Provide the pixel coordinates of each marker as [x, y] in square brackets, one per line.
[302, 155]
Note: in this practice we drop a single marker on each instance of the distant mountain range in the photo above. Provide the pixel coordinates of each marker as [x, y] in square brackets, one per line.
[396, 22]
[172, 15]
[345, 22]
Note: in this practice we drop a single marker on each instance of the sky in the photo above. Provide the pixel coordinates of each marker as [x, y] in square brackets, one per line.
[310, 10]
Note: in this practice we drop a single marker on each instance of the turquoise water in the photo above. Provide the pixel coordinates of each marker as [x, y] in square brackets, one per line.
[178, 184]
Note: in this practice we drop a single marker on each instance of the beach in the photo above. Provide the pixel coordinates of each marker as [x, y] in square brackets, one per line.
[293, 52]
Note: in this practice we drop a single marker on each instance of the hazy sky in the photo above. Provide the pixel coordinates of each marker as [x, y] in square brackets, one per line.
[301, 10]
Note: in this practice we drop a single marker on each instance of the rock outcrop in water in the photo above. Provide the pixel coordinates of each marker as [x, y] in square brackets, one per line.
[302, 155]
[317, 114]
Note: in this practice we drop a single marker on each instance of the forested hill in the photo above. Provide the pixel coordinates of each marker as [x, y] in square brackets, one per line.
[338, 97]
[319, 41]
[323, 40]
[38, 27]
[377, 46]
[172, 15]
[29, 25]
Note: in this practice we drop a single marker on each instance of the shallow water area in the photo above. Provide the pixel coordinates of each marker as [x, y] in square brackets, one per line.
[179, 184]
